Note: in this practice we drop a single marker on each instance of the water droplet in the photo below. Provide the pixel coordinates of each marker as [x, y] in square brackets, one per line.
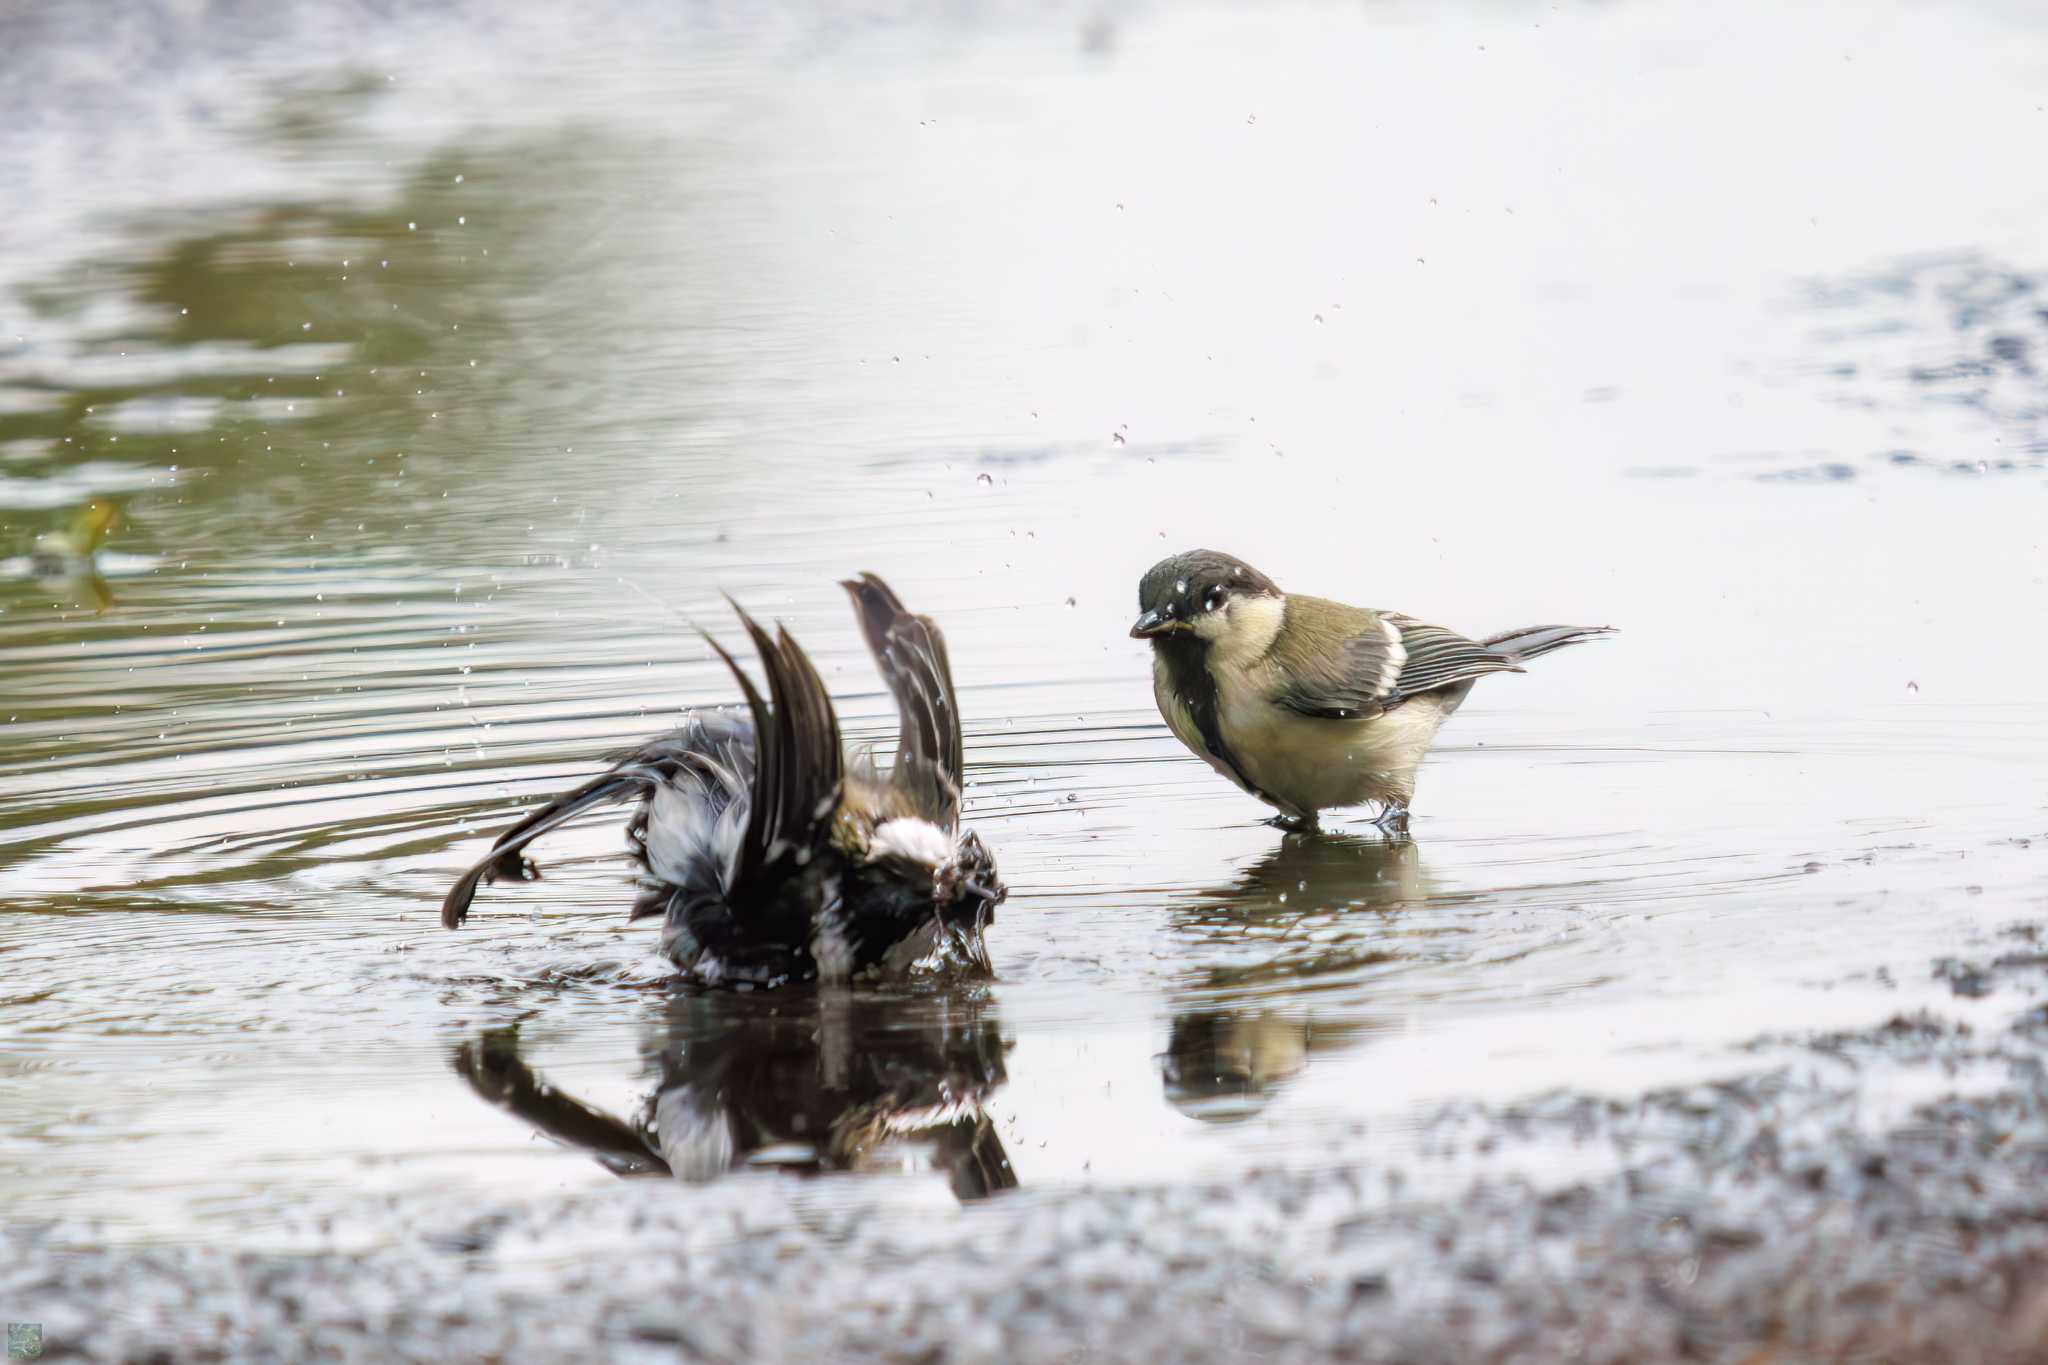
[1070, 602]
[1319, 317]
[1180, 585]
[1116, 438]
[985, 479]
[1072, 797]
[1283, 898]
[1912, 689]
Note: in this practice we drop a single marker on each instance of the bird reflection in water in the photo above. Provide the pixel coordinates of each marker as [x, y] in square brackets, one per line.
[806, 1082]
[1255, 1019]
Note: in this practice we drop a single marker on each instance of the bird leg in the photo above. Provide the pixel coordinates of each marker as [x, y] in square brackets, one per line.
[1296, 824]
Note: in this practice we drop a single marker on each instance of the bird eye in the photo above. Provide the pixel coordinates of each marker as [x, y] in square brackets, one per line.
[1212, 599]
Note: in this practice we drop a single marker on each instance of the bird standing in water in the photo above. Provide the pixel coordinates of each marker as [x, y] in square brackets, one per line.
[772, 856]
[1307, 703]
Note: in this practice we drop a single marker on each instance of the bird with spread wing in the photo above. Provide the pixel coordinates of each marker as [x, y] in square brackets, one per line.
[769, 853]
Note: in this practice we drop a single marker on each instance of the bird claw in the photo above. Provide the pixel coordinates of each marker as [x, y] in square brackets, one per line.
[1295, 824]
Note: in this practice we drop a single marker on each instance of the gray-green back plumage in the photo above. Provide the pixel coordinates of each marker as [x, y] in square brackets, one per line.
[1350, 662]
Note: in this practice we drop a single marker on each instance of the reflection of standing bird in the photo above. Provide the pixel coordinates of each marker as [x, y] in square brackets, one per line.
[839, 1082]
[1222, 1065]
[1249, 1027]
[1307, 703]
[770, 856]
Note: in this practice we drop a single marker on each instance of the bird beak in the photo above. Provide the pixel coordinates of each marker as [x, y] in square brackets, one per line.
[1150, 624]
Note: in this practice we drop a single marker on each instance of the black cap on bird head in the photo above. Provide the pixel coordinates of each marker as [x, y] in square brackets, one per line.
[1175, 592]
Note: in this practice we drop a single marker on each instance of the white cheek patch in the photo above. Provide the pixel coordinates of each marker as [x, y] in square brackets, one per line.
[916, 840]
[1242, 628]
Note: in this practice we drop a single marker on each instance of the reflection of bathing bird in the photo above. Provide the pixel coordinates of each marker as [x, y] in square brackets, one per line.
[1307, 703]
[839, 1082]
[68, 553]
[773, 857]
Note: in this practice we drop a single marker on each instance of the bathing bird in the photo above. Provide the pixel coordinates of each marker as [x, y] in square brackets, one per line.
[1307, 703]
[771, 855]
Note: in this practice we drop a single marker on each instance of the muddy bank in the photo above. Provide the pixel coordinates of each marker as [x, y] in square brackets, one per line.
[1764, 1217]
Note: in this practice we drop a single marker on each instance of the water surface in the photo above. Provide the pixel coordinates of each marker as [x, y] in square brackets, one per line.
[446, 372]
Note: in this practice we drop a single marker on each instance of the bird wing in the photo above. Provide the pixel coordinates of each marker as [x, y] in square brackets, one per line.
[1437, 657]
[798, 764]
[696, 782]
[779, 772]
[1376, 661]
[911, 654]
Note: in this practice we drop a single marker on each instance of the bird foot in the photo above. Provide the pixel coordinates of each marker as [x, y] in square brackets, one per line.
[1296, 824]
[1393, 819]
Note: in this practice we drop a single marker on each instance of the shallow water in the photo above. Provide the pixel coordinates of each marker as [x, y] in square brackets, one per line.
[445, 375]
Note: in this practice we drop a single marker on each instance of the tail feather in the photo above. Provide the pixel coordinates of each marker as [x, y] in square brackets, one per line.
[504, 859]
[1532, 642]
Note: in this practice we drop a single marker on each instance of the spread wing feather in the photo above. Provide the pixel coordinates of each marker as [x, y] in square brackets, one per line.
[798, 763]
[910, 652]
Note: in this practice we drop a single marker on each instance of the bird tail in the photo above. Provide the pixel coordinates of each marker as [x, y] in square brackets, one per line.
[505, 859]
[1534, 641]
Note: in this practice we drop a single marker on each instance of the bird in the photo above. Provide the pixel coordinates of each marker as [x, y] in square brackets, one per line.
[67, 558]
[1306, 703]
[771, 855]
[68, 552]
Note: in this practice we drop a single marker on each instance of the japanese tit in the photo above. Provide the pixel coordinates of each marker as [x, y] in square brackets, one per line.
[1304, 702]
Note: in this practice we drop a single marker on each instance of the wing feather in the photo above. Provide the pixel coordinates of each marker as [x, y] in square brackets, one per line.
[798, 763]
[1439, 658]
[1355, 664]
[910, 652]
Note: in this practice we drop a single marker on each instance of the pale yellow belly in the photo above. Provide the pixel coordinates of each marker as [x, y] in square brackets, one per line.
[1310, 764]
[1303, 764]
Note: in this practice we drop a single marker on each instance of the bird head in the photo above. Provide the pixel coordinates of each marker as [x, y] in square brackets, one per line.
[965, 887]
[1193, 594]
[955, 875]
